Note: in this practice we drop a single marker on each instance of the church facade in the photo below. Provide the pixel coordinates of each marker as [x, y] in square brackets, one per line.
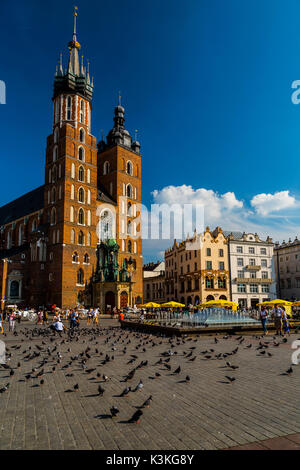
[91, 193]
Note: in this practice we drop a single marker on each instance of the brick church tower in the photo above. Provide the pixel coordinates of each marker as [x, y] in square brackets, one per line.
[71, 181]
[49, 237]
[119, 172]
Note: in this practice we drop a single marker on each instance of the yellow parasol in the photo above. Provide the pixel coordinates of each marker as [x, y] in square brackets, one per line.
[150, 305]
[284, 303]
[172, 304]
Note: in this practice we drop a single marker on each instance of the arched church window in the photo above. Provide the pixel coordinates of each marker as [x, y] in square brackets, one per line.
[72, 236]
[55, 153]
[81, 195]
[80, 238]
[82, 111]
[106, 168]
[53, 216]
[81, 217]
[86, 258]
[106, 225]
[88, 239]
[81, 135]
[75, 257]
[129, 190]
[81, 173]
[81, 154]
[129, 168]
[56, 135]
[69, 108]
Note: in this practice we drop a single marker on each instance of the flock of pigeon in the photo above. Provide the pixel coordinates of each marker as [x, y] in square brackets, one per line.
[45, 354]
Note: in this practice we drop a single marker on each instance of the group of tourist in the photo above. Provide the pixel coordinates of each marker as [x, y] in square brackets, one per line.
[280, 318]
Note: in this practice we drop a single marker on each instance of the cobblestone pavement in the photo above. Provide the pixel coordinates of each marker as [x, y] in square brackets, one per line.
[207, 413]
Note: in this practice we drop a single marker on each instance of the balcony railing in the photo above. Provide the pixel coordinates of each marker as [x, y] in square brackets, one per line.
[256, 280]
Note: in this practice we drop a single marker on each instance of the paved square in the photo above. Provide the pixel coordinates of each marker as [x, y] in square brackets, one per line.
[207, 413]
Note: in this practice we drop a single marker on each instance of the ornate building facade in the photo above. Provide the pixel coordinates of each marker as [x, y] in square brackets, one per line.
[91, 193]
[197, 269]
[251, 268]
[287, 269]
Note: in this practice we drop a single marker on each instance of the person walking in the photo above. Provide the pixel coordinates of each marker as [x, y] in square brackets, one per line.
[263, 319]
[58, 327]
[285, 323]
[12, 321]
[277, 319]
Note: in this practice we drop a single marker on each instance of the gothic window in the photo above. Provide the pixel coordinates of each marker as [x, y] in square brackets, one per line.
[89, 218]
[86, 258]
[56, 134]
[53, 195]
[88, 176]
[80, 238]
[81, 154]
[56, 110]
[72, 191]
[75, 257]
[80, 277]
[81, 217]
[81, 135]
[73, 170]
[129, 168]
[129, 246]
[89, 196]
[88, 239]
[72, 236]
[129, 190]
[53, 216]
[106, 225]
[81, 195]
[69, 108]
[71, 214]
[21, 232]
[54, 174]
[81, 173]
[14, 289]
[82, 111]
[55, 153]
[9, 240]
[106, 168]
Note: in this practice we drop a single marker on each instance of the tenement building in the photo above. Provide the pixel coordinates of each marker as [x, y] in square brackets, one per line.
[197, 269]
[91, 193]
[251, 268]
[287, 269]
[154, 282]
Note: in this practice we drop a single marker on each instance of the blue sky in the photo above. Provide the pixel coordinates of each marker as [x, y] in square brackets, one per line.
[206, 82]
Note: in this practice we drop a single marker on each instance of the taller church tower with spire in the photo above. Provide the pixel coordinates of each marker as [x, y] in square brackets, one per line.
[90, 194]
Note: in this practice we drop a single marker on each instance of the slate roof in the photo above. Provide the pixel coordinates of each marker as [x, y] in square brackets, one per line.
[236, 235]
[24, 205]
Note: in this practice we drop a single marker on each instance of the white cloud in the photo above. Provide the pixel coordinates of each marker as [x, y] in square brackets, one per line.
[216, 205]
[265, 204]
[231, 213]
